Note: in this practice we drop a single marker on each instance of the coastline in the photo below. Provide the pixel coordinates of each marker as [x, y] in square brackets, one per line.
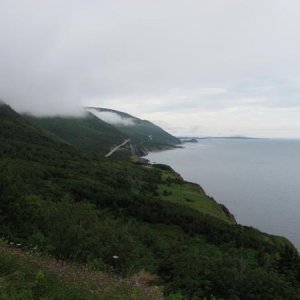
[249, 198]
[144, 161]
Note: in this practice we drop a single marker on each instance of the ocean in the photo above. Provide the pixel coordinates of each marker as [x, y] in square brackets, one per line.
[257, 179]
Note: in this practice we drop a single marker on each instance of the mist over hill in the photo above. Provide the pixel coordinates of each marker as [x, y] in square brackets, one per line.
[87, 133]
[140, 131]
[99, 130]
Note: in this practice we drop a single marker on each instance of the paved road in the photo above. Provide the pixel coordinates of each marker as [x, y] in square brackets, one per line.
[117, 147]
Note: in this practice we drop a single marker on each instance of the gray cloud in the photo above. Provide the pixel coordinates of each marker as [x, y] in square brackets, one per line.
[162, 60]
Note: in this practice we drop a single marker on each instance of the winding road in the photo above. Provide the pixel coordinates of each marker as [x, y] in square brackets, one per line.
[117, 147]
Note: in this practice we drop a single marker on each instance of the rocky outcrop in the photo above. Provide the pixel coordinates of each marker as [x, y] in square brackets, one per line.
[228, 214]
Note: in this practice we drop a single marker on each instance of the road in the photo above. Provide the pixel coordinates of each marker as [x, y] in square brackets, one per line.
[117, 147]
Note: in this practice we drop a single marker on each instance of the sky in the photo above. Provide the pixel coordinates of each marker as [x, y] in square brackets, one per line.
[194, 67]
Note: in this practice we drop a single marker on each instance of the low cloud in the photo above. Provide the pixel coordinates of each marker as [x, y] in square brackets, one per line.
[213, 72]
[112, 118]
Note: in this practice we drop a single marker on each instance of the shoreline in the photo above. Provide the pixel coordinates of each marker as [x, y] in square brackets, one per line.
[144, 161]
[284, 235]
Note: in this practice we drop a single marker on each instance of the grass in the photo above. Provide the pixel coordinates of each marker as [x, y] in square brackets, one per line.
[188, 194]
[25, 275]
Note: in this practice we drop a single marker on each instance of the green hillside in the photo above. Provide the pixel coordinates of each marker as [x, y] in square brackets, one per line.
[143, 132]
[87, 133]
[120, 218]
[174, 189]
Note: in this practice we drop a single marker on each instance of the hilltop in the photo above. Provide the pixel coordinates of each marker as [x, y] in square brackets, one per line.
[124, 218]
[91, 133]
[142, 132]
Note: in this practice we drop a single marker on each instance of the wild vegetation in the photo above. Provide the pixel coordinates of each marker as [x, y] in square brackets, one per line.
[124, 218]
[28, 275]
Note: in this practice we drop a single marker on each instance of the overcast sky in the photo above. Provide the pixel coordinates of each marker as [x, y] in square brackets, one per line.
[202, 67]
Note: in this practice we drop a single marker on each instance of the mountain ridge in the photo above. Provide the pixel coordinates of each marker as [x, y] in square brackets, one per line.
[142, 132]
[91, 133]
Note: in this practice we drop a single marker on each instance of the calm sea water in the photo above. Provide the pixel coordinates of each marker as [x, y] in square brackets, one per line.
[257, 179]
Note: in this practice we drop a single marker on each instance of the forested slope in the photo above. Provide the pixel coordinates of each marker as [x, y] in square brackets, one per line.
[87, 132]
[118, 216]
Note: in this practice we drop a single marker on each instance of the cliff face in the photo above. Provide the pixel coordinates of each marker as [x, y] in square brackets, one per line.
[229, 215]
[137, 150]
